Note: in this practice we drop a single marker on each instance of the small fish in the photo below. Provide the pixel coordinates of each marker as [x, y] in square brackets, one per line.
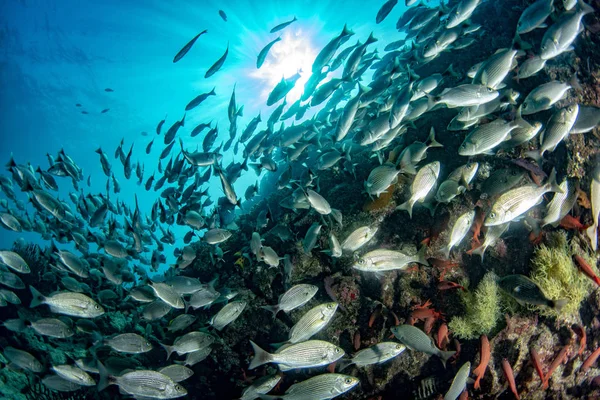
[52, 327]
[294, 298]
[359, 237]
[588, 118]
[416, 339]
[142, 384]
[382, 260]
[484, 360]
[108, 90]
[167, 294]
[14, 261]
[484, 139]
[422, 185]
[264, 52]
[260, 386]
[227, 314]
[181, 322]
[199, 99]
[216, 235]
[283, 25]
[67, 303]
[22, 359]
[104, 111]
[560, 205]
[535, 16]
[560, 36]
[269, 256]
[218, 64]
[74, 374]
[311, 323]
[183, 52]
[309, 354]
[492, 235]
[510, 377]
[525, 291]
[128, 343]
[459, 230]
[385, 10]
[223, 15]
[155, 310]
[531, 66]
[461, 12]
[464, 96]
[377, 354]
[592, 231]
[177, 373]
[459, 383]
[189, 343]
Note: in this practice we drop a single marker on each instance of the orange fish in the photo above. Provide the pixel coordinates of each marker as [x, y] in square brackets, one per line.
[535, 359]
[580, 331]
[591, 360]
[560, 358]
[586, 269]
[571, 223]
[442, 336]
[510, 377]
[484, 356]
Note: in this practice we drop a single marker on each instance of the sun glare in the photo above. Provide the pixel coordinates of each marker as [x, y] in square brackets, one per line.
[292, 54]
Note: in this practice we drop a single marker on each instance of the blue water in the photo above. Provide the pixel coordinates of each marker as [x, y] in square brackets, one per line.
[55, 54]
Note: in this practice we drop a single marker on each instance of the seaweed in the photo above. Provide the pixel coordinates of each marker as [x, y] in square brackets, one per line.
[483, 310]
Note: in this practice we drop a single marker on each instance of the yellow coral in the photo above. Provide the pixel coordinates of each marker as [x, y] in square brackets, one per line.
[552, 268]
[483, 310]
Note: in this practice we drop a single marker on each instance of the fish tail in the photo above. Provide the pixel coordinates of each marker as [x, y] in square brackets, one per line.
[274, 309]
[99, 150]
[257, 167]
[480, 251]
[584, 8]
[431, 139]
[37, 297]
[445, 356]
[260, 356]
[343, 364]
[476, 383]
[534, 154]
[407, 206]
[592, 234]
[422, 256]
[104, 381]
[552, 185]
[168, 349]
[371, 39]
[558, 304]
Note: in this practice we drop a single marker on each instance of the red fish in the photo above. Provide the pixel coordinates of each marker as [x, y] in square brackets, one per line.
[580, 331]
[446, 285]
[484, 357]
[510, 377]
[560, 358]
[442, 336]
[586, 269]
[571, 223]
[535, 359]
[591, 360]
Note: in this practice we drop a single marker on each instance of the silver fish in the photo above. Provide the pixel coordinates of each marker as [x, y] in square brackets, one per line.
[188, 343]
[459, 383]
[142, 383]
[535, 16]
[461, 12]
[459, 230]
[320, 387]
[311, 237]
[531, 66]
[557, 129]
[465, 95]
[295, 297]
[493, 71]
[312, 322]
[318, 202]
[155, 310]
[74, 374]
[544, 97]
[560, 36]
[588, 118]
[416, 339]
[14, 261]
[227, 314]
[68, 303]
[492, 234]
[52, 327]
[378, 354]
[167, 294]
[561, 204]
[382, 260]
[592, 231]
[381, 178]
[177, 373]
[422, 185]
[260, 386]
[216, 235]
[22, 359]
[485, 138]
[359, 237]
[310, 354]
[181, 322]
[129, 343]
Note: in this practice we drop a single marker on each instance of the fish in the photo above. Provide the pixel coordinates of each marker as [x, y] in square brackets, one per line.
[260, 386]
[588, 118]
[509, 375]
[382, 260]
[321, 387]
[269, 256]
[264, 52]
[484, 139]
[461, 12]
[283, 25]
[189, 343]
[422, 185]
[309, 354]
[142, 383]
[315, 320]
[459, 230]
[68, 303]
[359, 237]
[496, 68]
[14, 261]
[385, 10]
[74, 374]
[177, 373]
[525, 291]
[560, 205]
[531, 66]
[218, 64]
[459, 383]
[515, 202]
[223, 15]
[592, 231]
[492, 235]
[181, 53]
[22, 359]
[128, 343]
[545, 96]
[196, 101]
[415, 339]
[560, 35]
[381, 178]
[295, 297]
[52, 327]
[377, 354]
[484, 360]
[327, 52]
[227, 314]
[464, 96]
[534, 16]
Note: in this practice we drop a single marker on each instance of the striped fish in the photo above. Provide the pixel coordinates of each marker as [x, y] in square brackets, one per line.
[312, 322]
[309, 354]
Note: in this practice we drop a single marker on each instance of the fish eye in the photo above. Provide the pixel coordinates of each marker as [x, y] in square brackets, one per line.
[490, 90]
[348, 381]
[337, 350]
[97, 307]
[178, 388]
[330, 306]
[362, 261]
[492, 215]
[570, 109]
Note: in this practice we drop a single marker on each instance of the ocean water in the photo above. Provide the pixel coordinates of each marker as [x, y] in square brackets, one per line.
[347, 255]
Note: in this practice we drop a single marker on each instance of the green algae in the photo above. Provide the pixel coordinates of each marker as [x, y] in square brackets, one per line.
[483, 310]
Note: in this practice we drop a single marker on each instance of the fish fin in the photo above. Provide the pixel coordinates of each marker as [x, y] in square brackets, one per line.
[535, 154]
[104, 382]
[553, 186]
[37, 297]
[407, 206]
[422, 256]
[260, 356]
[343, 363]
[431, 139]
[168, 349]
[480, 251]
[558, 304]
[274, 309]
[445, 356]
